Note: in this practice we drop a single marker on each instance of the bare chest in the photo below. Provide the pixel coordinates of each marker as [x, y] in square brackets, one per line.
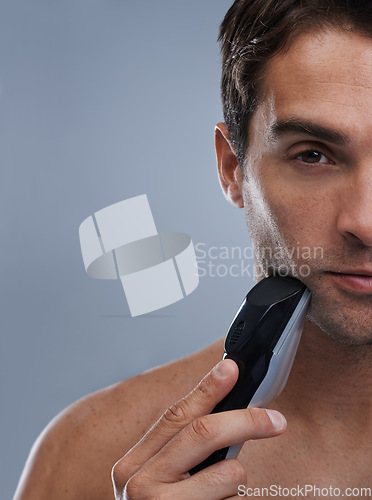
[284, 467]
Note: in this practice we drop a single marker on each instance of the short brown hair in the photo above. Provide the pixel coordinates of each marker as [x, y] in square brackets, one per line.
[253, 31]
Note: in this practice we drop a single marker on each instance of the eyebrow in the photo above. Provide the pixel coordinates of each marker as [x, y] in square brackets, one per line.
[293, 125]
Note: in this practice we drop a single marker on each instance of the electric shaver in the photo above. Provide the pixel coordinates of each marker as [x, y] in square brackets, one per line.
[262, 340]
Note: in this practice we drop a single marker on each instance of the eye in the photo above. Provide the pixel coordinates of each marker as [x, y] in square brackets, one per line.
[312, 156]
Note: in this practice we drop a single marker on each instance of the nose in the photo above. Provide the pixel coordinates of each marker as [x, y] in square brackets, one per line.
[355, 215]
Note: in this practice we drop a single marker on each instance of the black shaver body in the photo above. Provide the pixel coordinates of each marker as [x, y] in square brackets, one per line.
[262, 340]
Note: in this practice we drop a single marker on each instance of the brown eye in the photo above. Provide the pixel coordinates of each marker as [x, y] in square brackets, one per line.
[312, 156]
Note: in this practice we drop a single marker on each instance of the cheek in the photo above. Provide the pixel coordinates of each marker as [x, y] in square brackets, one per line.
[260, 217]
[300, 219]
[283, 216]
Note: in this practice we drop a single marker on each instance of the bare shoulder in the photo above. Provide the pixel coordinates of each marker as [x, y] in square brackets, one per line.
[74, 455]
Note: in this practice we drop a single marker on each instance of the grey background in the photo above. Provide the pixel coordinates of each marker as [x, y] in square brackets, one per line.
[101, 101]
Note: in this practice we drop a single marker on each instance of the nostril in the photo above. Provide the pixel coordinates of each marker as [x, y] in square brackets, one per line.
[355, 224]
[361, 241]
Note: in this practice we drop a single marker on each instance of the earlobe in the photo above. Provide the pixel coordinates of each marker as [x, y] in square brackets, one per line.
[229, 172]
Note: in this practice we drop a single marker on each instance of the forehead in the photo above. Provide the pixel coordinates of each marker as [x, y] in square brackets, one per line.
[323, 77]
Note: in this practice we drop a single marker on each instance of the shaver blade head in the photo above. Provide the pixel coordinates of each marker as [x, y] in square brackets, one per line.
[267, 307]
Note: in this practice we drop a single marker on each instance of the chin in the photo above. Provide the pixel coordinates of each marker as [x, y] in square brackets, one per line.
[344, 317]
[346, 325]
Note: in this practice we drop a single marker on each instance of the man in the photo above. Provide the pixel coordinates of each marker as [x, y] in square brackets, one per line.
[296, 154]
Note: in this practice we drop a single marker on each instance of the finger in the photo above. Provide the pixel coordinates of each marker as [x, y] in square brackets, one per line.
[212, 388]
[215, 483]
[221, 481]
[209, 433]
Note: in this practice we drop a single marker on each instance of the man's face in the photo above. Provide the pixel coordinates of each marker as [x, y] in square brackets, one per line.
[307, 186]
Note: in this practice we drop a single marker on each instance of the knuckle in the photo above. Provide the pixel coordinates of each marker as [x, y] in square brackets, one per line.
[255, 420]
[122, 471]
[204, 386]
[208, 386]
[118, 473]
[133, 487]
[203, 429]
[180, 413]
[235, 471]
[137, 489]
[177, 413]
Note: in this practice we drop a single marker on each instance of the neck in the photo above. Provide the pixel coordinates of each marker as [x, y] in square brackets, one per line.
[330, 382]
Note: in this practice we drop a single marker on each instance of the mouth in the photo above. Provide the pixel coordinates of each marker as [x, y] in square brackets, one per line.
[358, 281]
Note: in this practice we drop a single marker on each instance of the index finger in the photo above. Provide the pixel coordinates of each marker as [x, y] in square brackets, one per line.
[200, 401]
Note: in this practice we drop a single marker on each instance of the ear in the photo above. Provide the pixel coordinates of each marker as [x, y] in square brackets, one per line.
[229, 172]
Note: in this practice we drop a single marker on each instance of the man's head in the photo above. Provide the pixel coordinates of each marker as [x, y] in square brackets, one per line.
[254, 31]
[304, 175]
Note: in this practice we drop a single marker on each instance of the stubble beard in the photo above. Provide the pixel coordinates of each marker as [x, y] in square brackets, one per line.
[342, 315]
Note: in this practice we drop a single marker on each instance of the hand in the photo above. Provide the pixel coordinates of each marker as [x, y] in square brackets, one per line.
[158, 465]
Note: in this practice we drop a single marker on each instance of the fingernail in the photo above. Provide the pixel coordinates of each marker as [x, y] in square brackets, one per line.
[220, 370]
[276, 418]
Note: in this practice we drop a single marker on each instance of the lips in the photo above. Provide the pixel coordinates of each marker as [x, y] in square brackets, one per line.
[358, 281]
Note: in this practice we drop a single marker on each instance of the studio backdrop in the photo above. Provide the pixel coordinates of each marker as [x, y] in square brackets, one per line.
[104, 101]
